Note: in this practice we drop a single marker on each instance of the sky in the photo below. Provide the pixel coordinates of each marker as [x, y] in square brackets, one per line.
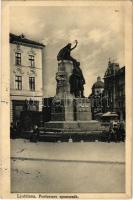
[99, 31]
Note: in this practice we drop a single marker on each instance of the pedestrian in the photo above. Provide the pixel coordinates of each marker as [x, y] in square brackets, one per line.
[110, 135]
[35, 135]
[116, 131]
[11, 131]
[18, 129]
[122, 130]
[111, 132]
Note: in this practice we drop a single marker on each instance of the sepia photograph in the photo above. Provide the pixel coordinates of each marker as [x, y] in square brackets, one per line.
[69, 98]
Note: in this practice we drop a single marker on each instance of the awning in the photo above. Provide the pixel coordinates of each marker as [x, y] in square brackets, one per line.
[110, 114]
[99, 114]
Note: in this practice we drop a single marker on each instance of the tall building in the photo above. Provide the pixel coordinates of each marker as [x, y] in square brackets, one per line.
[26, 90]
[110, 95]
[114, 89]
[121, 93]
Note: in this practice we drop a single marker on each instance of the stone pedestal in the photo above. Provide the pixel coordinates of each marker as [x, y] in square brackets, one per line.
[69, 114]
[82, 109]
[62, 110]
[62, 106]
[65, 69]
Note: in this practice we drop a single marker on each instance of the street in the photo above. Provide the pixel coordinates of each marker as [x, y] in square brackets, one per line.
[67, 167]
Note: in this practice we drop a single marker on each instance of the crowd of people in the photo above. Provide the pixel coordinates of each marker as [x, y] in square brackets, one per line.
[116, 132]
[17, 131]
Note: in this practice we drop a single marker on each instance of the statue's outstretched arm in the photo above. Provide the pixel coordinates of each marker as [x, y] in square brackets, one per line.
[74, 45]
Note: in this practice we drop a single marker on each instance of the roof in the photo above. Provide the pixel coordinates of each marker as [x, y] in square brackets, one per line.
[21, 39]
[112, 69]
[122, 70]
[99, 114]
[117, 72]
[98, 83]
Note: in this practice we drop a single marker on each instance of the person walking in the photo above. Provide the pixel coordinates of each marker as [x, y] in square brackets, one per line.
[122, 130]
[35, 135]
[111, 132]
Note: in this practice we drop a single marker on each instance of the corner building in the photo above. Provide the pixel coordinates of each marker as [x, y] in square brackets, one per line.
[114, 89]
[26, 65]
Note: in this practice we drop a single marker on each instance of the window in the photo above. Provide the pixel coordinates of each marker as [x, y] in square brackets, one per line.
[18, 58]
[32, 83]
[18, 82]
[32, 60]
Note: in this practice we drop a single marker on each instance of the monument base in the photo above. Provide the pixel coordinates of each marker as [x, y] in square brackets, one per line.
[69, 115]
[62, 110]
[71, 109]
[73, 126]
[82, 109]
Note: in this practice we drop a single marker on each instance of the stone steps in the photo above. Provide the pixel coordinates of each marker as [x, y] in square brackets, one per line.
[66, 130]
[73, 126]
[70, 133]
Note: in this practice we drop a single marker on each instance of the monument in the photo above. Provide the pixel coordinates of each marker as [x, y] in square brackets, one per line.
[71, 110]
[62, 107]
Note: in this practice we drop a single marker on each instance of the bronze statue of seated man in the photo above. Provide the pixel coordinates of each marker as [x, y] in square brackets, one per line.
[65, 53]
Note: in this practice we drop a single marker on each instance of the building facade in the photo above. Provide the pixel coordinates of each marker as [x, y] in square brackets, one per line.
[97, 97]
[110, 95]
[26, 89]
[114, 89]
[121, 94]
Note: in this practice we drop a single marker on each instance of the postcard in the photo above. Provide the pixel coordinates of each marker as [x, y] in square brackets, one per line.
[66, 96]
